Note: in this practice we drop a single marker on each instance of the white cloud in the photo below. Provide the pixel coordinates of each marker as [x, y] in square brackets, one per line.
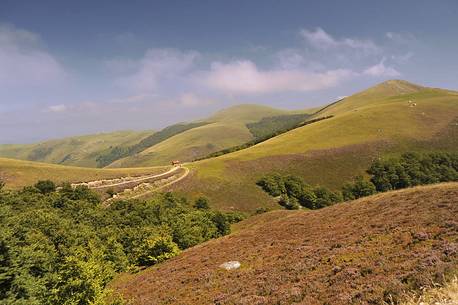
[401, 38]
[158, 65]
[192, 100]
[290, 59]
[319, 39]
[243, 76]
[57, 108]
[24, 62]
[381, 70]
[402, 59]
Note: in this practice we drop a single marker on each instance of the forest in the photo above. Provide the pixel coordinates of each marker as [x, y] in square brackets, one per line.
[61, 246]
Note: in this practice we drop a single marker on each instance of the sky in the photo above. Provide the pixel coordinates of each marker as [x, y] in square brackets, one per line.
[80, 67]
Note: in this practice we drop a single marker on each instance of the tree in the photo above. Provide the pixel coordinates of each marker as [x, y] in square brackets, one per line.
[294, 186]
[202, 203]
[222, 224]
[289, 203]
[45, 186]
[359, 188]
[272, 184]
[157, 249]
[308, 199]
[325, 197]
[2, 184]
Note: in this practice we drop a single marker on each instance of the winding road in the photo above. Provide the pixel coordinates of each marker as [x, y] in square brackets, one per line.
[186, 172]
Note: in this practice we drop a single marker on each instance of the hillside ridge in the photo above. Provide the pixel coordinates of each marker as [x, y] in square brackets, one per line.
[366, 251]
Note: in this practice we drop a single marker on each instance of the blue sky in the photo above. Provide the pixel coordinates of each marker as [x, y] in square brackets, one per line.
[78, 67]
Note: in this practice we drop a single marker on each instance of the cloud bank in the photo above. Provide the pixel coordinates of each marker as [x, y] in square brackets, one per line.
[24, 62]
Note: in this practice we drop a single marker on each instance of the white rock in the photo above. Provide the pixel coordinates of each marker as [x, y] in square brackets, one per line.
[232, 265]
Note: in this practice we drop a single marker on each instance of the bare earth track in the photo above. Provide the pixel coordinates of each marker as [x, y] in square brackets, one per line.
[128, 186]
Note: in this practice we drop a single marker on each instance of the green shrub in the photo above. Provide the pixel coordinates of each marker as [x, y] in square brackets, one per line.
[45, 186]
[289, 203]
[202, 203]
[359, 188]
[156, 249]
[272, 184]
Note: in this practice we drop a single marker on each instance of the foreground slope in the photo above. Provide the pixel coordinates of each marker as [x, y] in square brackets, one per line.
[19, 173]
[76, 151]
[388, 119]
[363, 252]
[226, 128]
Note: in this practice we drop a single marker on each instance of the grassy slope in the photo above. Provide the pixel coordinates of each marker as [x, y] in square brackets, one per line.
[372, 124]
[18, 173]
[76, 151]
[226, 130]
[359, 252]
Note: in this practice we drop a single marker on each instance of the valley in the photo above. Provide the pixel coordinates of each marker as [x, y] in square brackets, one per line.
[373, 250]
[228, 152]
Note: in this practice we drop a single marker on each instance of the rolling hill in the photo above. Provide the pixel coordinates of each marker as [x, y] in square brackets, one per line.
[20, 173]
[385, 120]
[75, 151]
[225, 129]
[368, 251]
[182, 141]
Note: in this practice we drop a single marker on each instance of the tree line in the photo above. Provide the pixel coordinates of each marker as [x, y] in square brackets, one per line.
[410, 169]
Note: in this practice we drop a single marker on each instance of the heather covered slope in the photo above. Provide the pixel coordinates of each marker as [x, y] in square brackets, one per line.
[367, 251]
[388, 119]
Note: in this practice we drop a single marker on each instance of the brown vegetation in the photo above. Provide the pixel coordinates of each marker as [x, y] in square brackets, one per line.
[368, 251]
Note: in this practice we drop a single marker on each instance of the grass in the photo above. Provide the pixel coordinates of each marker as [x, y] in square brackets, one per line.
[18, 173]
[75, 151]
[446, 294]
[369, 251]
[373, 124]
[228, 128]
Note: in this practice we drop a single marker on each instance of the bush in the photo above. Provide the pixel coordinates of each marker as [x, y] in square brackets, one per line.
[359, 188]
[156, 249]
[202, 203]
[325, 197]
[45, 186]
[289, 203]
[295, 192]
[272, 184]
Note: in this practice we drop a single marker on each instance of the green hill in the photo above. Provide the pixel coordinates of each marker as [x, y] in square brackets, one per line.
[225, 129]
[76, 151]
[19, 173]
[184, 141]
[388, 119]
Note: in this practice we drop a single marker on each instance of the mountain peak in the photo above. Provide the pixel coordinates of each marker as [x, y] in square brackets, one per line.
[394, 87]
